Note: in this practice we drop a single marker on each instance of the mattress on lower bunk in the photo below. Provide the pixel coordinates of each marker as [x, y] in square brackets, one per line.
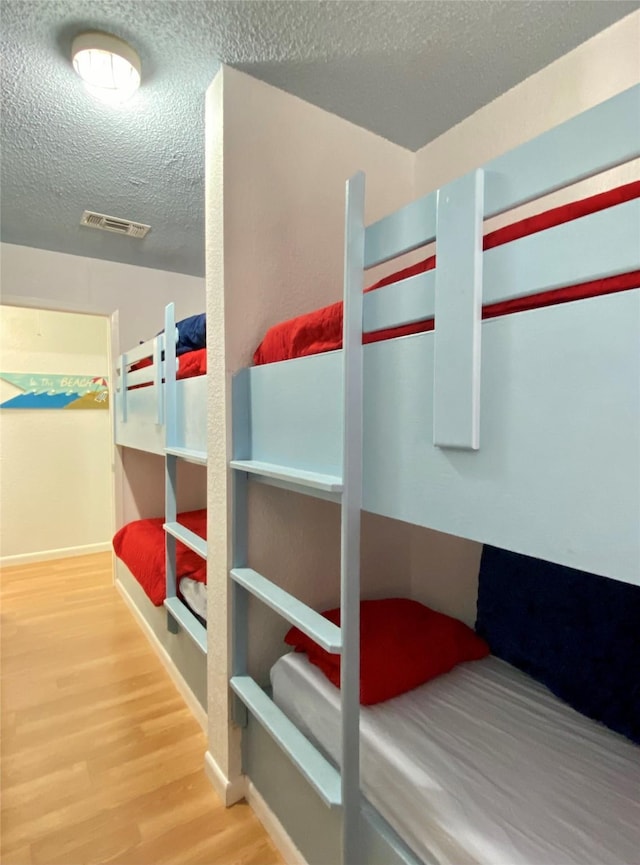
[194, 594]
[141, 546]
[321, 330]
[483, 766]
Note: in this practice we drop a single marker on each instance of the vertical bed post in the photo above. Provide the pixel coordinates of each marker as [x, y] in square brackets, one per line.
[170, 368]
[351, 507]
[458, 313]
[158, 346]
[171, 461]
[123, 388]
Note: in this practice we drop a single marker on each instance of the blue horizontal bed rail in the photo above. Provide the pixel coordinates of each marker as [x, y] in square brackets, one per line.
[568, 254]
[598, 139]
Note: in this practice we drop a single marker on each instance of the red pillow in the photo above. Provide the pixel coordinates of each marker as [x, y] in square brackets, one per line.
[403, 644]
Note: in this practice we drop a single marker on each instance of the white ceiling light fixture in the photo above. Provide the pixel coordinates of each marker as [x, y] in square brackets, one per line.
[109, 67]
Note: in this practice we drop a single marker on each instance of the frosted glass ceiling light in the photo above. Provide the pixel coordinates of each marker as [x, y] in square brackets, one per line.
[108, 66]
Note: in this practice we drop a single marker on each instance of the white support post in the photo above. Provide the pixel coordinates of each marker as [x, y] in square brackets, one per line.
[351, 508]
[123, 388]
[458, 313]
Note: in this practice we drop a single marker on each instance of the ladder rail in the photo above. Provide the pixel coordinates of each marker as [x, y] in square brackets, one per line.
[178, 614]
[171, 466]
[350, 487]
[352, 357]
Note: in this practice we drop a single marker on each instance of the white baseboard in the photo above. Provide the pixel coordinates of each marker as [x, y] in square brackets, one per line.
[229, 791]
[277, 832]
[46, 555]
[185, 691]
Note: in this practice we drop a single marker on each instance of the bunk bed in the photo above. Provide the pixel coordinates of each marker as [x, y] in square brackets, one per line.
[520, 431]
[146, 378]
[160, 408]
[140, 545]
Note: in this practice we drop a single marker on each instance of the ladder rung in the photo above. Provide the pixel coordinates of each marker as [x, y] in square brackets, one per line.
[192, 456]
[315, 768]
[316, 480]
[188, 538]
[183, 615]
[321, 630]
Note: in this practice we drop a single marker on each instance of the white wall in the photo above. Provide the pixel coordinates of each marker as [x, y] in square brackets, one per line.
[79, 284]
[595, 71]
[443, 569]
[138, 295]
[276, 169]
[55, 465]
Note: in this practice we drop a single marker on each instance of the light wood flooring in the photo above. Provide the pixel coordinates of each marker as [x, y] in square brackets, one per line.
[102, 762]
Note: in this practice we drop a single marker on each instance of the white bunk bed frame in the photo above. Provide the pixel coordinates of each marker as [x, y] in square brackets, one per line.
[399, 428]
[167, 416]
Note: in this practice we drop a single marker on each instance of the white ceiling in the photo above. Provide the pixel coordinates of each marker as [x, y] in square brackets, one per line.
[405, 69]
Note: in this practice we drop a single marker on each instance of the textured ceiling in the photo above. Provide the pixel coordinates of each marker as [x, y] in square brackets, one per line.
[405, 70]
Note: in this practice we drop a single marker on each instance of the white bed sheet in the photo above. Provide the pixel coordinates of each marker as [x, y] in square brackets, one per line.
[483, 766]
[195, 596]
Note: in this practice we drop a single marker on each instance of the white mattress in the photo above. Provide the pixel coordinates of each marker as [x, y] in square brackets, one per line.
[483, 766]
[195, 596]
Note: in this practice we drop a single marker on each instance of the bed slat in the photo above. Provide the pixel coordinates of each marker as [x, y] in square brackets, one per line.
[404, 302]
[146, 375]
[595, 246]
[596, 140]
[409, 228]
[142, 351]
[321, 630]
[568, 254]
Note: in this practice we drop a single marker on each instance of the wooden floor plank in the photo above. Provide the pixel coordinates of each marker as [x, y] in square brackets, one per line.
[102, 762]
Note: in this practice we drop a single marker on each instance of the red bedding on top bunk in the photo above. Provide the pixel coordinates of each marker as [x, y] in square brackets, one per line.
[190, 364]
[321, 330]
[141, 546]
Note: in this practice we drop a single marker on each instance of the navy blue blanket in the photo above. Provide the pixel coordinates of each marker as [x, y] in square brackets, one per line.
[577, 633]
[192, 333]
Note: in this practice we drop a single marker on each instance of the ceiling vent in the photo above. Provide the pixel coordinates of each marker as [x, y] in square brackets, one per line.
[113, 223]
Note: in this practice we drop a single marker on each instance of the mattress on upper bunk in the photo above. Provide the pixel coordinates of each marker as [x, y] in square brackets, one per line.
[483, 766]
[321, 330]
[141, 546]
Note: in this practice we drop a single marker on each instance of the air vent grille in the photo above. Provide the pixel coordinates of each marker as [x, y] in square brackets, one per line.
[113, 223]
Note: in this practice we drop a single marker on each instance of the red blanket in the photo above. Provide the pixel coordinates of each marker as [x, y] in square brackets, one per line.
[321, 330]
[190, 364]
[140, 545]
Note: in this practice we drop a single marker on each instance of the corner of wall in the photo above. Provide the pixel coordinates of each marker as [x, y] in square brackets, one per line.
[601, 67]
